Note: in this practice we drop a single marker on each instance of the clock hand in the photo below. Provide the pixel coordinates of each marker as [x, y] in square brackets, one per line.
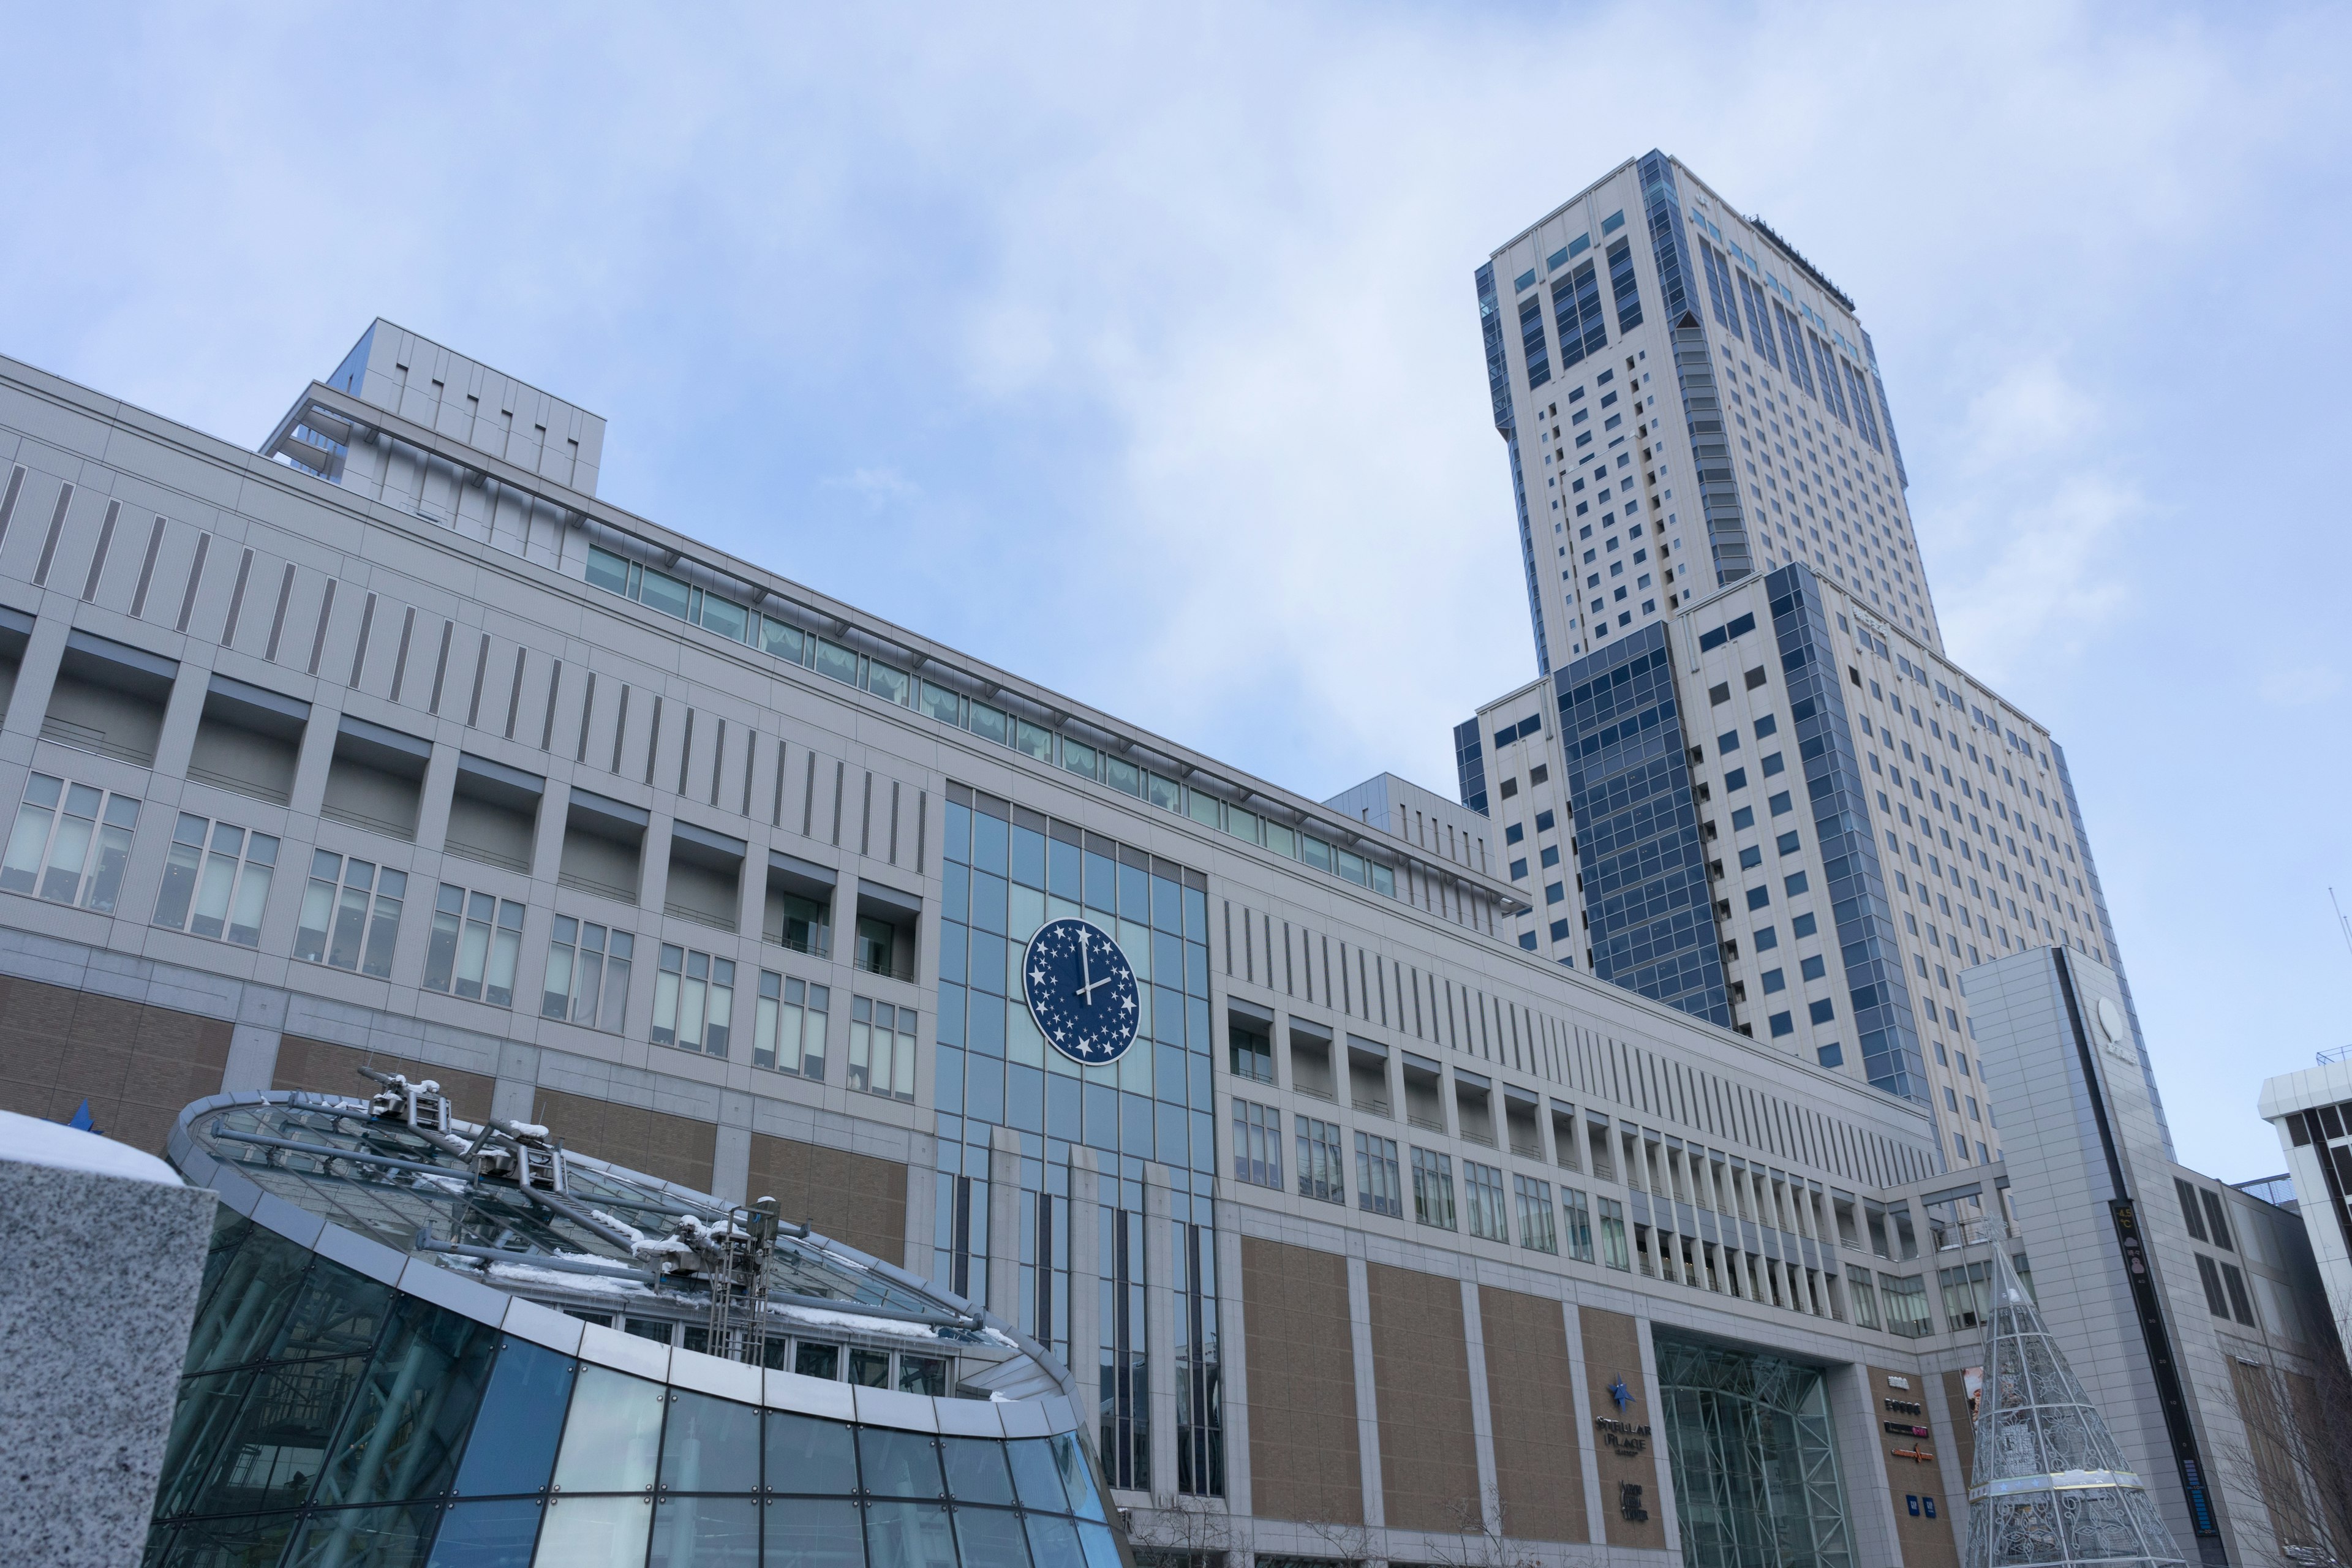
[1086, 972]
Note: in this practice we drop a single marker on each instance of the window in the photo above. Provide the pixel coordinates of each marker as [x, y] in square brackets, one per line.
[1257, 1144]
[1775, 980]
[1319, 1172]
[1379, 1188]
[1252, 1052]
[1813, 968]
[70, 843]
[219, 893]
[1614, 1253]
[1801, 925]
[1482, 1195]
[1539, 1227]
[1433, 1189]
[475, 940]
[1781, 1025]
[1823, 1011]
[881, 1048]
[1968, 1295]
[1514, 833]
[2210, 1275]
[2216, 1224]
[1906, 1301]
[354, 928]
[788, 1030]
[1864, 1298]
[694, 1001]
[1580, 1224]
[587, 974]
[2240, 1302]
[2189, 1209]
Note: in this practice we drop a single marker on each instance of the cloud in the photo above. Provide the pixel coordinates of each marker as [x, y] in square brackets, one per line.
[2301, 687]
[879, 489]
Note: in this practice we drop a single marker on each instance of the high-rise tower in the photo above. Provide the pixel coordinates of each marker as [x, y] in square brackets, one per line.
[1645, 291]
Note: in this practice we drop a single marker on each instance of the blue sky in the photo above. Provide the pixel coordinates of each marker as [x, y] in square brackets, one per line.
[1136, 349]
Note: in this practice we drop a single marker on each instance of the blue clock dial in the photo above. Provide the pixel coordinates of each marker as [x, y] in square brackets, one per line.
[1081, 991]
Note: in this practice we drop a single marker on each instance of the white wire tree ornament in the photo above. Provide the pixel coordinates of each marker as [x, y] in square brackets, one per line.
[2050, 1487]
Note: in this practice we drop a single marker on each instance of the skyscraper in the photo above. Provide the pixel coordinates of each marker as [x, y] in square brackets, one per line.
[1685, 401]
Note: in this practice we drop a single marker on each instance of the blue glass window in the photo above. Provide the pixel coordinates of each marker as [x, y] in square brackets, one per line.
[1531, 341]
[1823, 1011]
[1622, 285]
[1775, 980]
[1757, 898]
[1781, 1024]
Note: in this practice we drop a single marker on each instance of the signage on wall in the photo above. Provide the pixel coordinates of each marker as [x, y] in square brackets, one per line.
[1904, 1406]
[1082, 991]
[1902, 1429]
[2115, 1037]
[1622, 1438]
[1629, 1506]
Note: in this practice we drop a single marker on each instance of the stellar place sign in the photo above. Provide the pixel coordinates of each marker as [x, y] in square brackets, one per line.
[1622, 1438]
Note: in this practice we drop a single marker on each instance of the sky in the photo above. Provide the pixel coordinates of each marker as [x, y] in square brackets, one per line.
[1135, 349]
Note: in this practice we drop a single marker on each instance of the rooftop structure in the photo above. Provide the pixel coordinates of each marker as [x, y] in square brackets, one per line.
[421, 1335]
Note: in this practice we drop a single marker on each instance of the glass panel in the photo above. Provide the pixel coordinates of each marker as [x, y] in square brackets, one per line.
[976, 1471]
[898, 1464]
[869, 1369]
[231, 1543]
[594, 1532]
[612, 1436]
[513, 1443]
[366, 1538]
[808, 1532]
[991, 1536]
[273, 1453]
[414, 1408]
[486, 1536]
[1053, 1543]
[1101, 1550]
[908, 1535]
[705, 1532]
[257, 1283]
[817, 1361]
[806, 1454]
[1036, 1474]
[336, 1313]
[710, 1446]
[206, 1413]
[1077, 1477]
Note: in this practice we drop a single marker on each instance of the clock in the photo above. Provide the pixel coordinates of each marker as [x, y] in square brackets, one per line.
[1082, 991]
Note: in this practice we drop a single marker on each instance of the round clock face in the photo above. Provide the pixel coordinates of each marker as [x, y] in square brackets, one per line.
[1081, 991]
[2111, 1019]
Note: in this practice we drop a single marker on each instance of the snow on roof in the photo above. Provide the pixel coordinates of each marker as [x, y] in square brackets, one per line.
[30, 1140]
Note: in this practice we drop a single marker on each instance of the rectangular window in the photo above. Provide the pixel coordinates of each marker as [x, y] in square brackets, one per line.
[694, 1001]
[788, 1030]
[1539, 1227]
[71, 844]
[1482, 1196]
[1200, 1397]
[351, 914]
[476, 941]
[2190, 1215]
[881, 1048]
[1253, 1054]
[1319, 1172]
[2215, 1222]
[1968, 1295]
[1379, 1187]
[1126, 1363]
[1580, 1224]
[217, 880]
[1531, 341]
[1257, 1144]
[1864, 1298]
[2209, 1274]
[1906, 1301]
[587, 974]
[1433, 1189]
[2240, 1302]
[1613, 1251]
[1621, 284]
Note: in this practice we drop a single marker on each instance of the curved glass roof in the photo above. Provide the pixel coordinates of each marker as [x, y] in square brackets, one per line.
[381, 1179]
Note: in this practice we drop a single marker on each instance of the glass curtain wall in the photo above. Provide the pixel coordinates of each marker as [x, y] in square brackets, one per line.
[1755, 1464]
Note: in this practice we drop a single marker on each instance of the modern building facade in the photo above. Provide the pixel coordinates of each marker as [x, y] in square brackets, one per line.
[394, 747]
[2312, 1111]
[1685, 401]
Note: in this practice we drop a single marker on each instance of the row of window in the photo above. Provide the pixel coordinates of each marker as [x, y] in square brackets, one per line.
[70, 842]
[674, 596]
[1484, 1210]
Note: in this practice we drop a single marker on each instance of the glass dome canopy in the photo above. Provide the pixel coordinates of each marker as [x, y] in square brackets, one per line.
[402, 1360]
